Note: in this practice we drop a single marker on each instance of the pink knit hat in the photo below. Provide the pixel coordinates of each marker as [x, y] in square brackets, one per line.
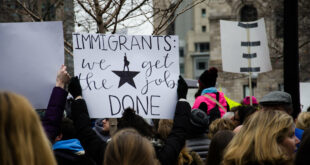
[246, 100]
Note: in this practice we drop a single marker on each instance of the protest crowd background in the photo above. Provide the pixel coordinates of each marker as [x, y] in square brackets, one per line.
[98, 96]
[211, 133]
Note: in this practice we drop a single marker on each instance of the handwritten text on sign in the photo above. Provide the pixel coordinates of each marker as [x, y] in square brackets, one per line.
[121, 71]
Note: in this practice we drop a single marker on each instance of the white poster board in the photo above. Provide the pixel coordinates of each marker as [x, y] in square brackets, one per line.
[30, 56]
[305, 95]
[121, 71]
[233, 34]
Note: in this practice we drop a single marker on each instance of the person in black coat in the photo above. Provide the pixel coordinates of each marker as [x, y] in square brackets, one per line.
[168, 154]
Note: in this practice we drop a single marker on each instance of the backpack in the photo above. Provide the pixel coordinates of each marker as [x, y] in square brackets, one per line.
[214, 113]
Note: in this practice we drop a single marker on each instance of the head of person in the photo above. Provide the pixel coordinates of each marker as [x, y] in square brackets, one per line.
[67, 130]
[207, 79]
[266, 137]
[220, 124]
[247, 101]
[23, 140]
[218, 144]
[128, 147]
[164, 128]
[243, 112]
[131, 120]
[278, 100]
[105, 125]
[303, 120]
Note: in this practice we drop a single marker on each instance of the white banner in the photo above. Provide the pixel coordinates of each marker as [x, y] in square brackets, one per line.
[304, 95]
[121, 71]
[235, 42]
[30, 55]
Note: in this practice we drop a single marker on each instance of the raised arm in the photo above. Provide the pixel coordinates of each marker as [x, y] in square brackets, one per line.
[176, 139]
[54, 112]
[92, 144]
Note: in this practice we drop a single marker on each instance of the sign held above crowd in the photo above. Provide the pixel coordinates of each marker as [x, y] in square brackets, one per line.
[121, 71]
[31, 53]
[244, 41]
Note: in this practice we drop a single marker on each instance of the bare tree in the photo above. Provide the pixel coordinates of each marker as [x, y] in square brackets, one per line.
[275, 11]
[109, 15]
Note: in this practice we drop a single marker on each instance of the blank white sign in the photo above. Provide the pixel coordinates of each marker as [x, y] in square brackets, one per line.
[30, 55]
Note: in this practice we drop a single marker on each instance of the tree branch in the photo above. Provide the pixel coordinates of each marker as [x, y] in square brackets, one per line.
[32, 15]
[106, 7]
[116, 12]
[87, 11]
[132, 10]
[303, 44]
[173, 19]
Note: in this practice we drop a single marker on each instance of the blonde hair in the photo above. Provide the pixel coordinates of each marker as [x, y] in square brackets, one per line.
[128, 147]
[259, 140]
[220, 124]
[164, 128]
[303, 120]
[22, 139]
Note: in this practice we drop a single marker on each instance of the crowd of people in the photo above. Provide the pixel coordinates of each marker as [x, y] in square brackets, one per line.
[211, 132]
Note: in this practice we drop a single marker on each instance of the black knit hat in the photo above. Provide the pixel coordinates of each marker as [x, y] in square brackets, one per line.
[208, 77]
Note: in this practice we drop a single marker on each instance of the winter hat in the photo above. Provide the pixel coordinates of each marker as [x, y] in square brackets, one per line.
[199, 118]
[246, 100]
[276, 97]
[131, 120]
[208, 77]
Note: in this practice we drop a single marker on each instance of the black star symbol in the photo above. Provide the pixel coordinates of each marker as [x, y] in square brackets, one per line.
[126, 77]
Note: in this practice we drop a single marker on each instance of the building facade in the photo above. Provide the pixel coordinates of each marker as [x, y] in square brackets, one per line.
[200, 44]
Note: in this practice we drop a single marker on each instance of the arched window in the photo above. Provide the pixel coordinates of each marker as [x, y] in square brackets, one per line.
[248, 13]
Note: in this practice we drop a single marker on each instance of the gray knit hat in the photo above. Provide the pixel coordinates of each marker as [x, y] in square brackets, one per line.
[276, 97]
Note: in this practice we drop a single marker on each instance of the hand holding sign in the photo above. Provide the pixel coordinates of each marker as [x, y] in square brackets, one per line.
[75, 87]
[63, 77]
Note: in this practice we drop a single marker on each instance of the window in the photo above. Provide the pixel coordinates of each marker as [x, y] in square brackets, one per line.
[203, 13]
[181, 52]
[201, 66]
[248, 13]
[203, 28]
[181, 68]
[202, 47]
[246, 89]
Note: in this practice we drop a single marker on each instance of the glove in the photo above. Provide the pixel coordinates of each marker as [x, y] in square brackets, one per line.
[204, 107]
[182, 88]
[214, 114]
[75, 87]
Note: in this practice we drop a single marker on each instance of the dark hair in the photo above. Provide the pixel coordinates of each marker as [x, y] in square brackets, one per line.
[67, 129]
[131, 120]
[302, 155]
[218, 144]
[245, 111]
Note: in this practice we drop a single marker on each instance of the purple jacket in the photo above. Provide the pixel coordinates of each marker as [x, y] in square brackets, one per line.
[54, 113]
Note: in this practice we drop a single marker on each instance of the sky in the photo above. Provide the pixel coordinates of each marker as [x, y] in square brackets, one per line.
[144, 29]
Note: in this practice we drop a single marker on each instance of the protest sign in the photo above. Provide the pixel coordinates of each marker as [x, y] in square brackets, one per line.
[238, 47]
[304, 95]
[121, 71]
[31, 53]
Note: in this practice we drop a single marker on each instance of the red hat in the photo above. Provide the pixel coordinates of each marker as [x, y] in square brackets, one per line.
[246, 100]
